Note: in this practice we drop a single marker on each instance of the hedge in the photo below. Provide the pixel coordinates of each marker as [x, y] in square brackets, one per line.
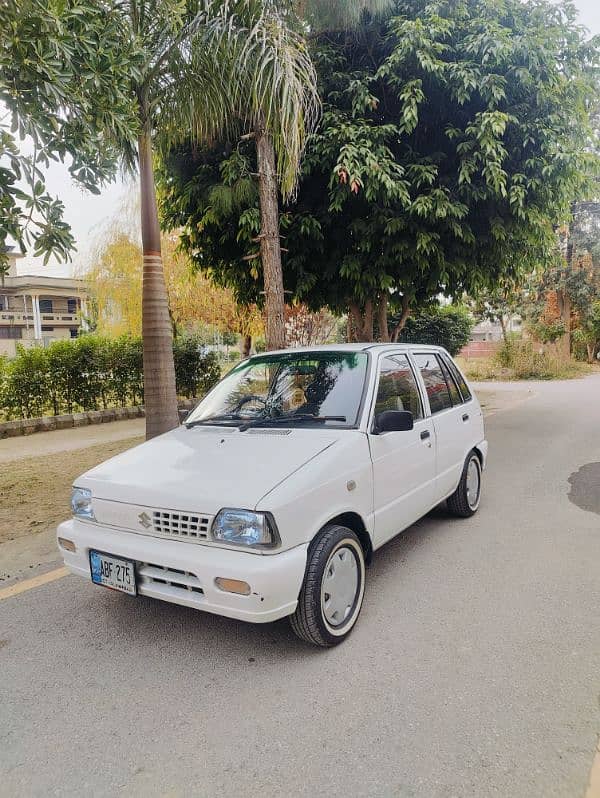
[448, 326]
[93, 373]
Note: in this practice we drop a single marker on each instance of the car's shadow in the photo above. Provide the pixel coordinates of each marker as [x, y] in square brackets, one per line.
[143, 619]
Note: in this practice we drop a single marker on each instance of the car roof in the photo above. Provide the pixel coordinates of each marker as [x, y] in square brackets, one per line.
[360, 347]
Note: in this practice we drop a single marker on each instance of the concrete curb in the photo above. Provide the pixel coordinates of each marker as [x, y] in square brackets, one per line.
[29, 426]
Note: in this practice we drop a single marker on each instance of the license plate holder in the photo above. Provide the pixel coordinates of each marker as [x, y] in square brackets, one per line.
[116, 573]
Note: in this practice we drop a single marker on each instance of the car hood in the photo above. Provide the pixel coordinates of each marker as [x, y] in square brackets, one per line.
[203, 469]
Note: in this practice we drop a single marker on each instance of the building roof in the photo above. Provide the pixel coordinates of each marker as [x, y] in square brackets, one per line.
[29, 282]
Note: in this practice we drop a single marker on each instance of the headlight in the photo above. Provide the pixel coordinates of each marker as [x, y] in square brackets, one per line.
[245, 528]
[81, 503]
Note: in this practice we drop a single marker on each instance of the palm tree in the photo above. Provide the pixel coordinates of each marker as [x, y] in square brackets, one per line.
[203, 66]
[273, 99]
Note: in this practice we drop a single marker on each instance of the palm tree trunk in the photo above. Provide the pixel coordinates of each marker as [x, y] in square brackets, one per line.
[160, 398]
[270, 245]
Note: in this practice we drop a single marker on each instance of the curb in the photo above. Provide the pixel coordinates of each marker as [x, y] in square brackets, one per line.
[29, 426]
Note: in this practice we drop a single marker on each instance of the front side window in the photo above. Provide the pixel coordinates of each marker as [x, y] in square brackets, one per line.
[435, 382]
[324, 388]
[397, 388]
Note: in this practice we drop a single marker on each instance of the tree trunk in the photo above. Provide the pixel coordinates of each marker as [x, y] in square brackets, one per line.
[160, 397]
[402, 320]
[247, 346]
[564, 306]
[382, 320]
[361, 321]
[502, 326]
[270, 244]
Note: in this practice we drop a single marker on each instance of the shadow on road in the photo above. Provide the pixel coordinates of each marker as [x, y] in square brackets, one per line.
[145, 621]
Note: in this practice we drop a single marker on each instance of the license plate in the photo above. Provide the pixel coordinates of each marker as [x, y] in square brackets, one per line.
[113, 572]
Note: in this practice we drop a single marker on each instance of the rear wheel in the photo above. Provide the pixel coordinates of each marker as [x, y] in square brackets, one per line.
[465, 499]
[332, 592]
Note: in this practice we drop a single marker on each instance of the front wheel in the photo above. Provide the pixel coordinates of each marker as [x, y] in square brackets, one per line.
[465, 499]
[332, 593]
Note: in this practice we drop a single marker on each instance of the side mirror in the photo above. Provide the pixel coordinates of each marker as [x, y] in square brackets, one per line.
[394, 421]
[183, 414]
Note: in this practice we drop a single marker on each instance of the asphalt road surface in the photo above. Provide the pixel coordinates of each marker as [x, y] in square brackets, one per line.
[474, 669]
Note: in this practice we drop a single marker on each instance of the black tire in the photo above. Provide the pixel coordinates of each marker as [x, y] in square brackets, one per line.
[461, 503]
[309, 621]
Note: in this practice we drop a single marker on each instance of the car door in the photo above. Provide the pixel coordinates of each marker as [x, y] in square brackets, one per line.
[403, 462]
[445, 405]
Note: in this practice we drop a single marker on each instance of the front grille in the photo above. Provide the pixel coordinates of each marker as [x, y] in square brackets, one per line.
[180, 525]
[153, 575]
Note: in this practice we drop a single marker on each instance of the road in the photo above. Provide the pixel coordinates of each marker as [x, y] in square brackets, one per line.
[474, 669]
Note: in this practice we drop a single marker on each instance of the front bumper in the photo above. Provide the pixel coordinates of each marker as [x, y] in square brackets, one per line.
[275, 579]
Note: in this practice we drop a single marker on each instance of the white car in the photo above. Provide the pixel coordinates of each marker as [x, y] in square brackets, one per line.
[273, 495]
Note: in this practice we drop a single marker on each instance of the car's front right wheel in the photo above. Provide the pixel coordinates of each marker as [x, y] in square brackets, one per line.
[332, 593]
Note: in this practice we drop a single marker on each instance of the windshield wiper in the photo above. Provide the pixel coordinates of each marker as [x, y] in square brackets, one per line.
[288, 421]
[213, 420]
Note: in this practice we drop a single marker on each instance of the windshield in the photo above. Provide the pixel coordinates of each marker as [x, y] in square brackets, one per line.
[318, 387]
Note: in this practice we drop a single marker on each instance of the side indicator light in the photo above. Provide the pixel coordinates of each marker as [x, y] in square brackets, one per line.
[233, 586]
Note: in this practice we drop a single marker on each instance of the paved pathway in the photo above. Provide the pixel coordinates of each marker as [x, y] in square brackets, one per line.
[67, 440]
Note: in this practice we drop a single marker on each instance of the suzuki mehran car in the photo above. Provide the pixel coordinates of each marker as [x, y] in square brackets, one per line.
[272, 496]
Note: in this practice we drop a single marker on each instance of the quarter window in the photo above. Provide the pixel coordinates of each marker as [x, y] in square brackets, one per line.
[435, 382]
[460, 380]
[452, 386]
[397, 387]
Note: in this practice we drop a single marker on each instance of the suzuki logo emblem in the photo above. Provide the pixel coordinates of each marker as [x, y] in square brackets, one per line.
[145, 520]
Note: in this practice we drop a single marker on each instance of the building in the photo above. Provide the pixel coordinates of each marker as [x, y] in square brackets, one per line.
[492, 330]
[35, 310]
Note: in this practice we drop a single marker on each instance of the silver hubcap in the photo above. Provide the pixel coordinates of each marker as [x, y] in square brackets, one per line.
[473, 483]
[340, 586]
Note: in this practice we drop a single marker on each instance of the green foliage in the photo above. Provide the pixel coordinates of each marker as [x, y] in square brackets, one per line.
[454, 137]
[448, 326]
[586, 337]
[523, 361]
[92, 372]
[195, 372]
[26, 391]
[64, 82]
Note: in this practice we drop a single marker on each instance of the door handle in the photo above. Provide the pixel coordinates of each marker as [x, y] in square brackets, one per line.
[465, 417]
[425, 435]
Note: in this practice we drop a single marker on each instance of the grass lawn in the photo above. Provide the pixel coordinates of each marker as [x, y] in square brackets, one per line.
[35, 491]
[479, 369]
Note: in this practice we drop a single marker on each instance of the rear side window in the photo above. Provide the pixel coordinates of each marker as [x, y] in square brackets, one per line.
[460, 380]
[452, 386]
[397, 388]
[435, 382]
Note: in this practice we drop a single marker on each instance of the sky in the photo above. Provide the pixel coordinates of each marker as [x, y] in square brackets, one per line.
[88, 215]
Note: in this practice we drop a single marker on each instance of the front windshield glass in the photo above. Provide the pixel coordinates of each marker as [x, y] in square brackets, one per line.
[288, 388]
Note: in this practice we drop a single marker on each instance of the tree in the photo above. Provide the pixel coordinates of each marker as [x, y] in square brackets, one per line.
[501, 303]
[115, 285]
[448, 326]
[64, 67]
[587, 333]
[453, 140]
